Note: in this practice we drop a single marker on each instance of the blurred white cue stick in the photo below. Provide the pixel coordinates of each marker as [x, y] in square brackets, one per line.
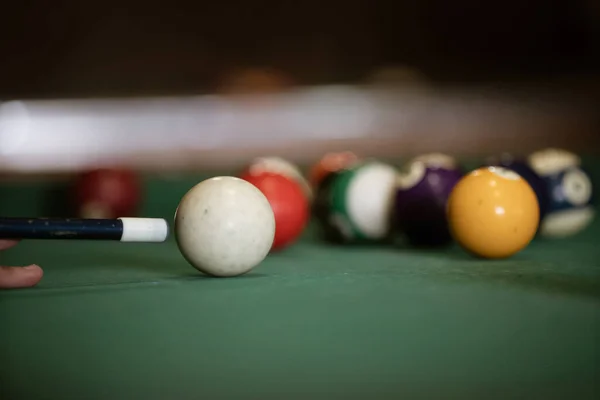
[71, 134]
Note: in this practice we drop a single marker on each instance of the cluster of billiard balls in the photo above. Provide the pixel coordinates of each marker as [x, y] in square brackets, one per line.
[226, 226]
[493, 211]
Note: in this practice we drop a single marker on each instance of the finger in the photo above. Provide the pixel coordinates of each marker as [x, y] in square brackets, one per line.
[20, 277]
[7, 244]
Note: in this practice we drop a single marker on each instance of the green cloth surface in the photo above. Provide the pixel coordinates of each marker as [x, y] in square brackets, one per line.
[135, 321]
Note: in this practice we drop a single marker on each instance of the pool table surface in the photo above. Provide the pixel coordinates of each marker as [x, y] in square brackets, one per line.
[124, 321]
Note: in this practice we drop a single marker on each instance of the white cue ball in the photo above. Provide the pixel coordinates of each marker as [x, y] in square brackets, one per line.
[224, 226]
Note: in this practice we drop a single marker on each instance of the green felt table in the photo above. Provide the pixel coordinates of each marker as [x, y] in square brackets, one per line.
[132, 321]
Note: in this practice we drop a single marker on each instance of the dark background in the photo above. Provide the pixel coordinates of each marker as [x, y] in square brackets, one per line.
[66, 48]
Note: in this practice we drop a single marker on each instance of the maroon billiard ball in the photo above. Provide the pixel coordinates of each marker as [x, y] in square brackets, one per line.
[106, 193]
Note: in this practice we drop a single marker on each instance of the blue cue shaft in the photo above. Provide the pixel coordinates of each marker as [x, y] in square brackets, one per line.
[120, 229]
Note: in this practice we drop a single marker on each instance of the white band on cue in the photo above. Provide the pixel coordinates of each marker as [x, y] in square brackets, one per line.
[144, 230]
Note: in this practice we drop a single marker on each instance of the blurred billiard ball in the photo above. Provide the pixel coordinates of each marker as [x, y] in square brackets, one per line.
[331, 162]
[289, 203]
[493, 213]
[354, 205]
[254, 81]
[321, 209]
[398, 76]
[523, 168]
[106, 193]
[569, 192]
[422, 192]
[280, 166]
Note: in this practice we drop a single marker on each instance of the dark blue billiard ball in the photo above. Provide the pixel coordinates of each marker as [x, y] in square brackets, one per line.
[422, 192]
[569, 191]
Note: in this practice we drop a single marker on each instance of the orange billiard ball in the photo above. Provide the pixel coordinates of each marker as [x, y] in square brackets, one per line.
[329, 163]
[253, 81]
[493, 212]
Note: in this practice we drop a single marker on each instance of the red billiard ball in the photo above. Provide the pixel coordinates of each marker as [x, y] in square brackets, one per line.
[279, 166]
[106, 193]
[289, 203]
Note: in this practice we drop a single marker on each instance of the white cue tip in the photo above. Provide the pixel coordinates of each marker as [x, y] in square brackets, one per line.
[144, 230]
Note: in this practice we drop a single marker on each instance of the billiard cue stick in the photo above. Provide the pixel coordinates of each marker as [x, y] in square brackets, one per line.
[120, 229]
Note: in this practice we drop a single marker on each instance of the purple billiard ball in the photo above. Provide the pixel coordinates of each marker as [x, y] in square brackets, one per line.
[421, 195]
[569, 192]
[522, 167]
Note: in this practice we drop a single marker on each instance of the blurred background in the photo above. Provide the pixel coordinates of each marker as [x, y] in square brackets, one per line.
[463, 76]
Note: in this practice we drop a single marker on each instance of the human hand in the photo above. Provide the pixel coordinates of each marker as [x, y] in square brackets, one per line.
[18, 277]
